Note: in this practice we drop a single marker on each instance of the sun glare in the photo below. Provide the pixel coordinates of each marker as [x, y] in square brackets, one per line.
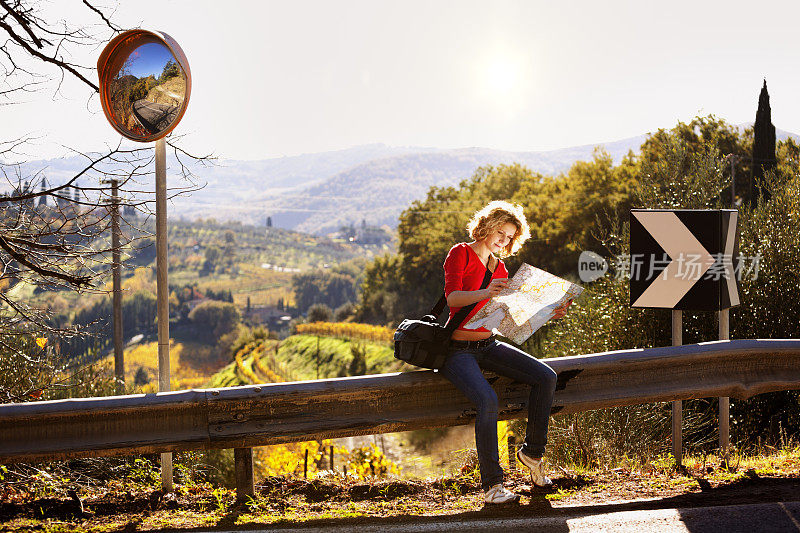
[506, 79]
[502, 75]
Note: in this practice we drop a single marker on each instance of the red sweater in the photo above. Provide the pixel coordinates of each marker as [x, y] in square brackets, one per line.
[464, 271]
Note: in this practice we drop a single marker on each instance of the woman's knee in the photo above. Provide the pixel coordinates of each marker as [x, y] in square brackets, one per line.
[486, 401]
[551, 377]
[539, 373]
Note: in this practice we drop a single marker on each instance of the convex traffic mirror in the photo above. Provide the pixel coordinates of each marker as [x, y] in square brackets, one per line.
[145, 84]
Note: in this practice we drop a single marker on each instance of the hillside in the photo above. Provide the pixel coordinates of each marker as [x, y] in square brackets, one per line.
[252, 267]
[319, 192]
[305, 357]
[379, 190]
[376, 187]
[231, 185]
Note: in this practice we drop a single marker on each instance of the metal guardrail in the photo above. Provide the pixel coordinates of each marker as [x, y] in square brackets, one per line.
[241, 417]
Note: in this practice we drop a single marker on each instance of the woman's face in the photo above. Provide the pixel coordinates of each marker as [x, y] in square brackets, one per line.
[500, 237]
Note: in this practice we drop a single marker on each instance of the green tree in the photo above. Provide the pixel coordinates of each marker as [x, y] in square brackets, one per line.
[171, 70]
[213, 319]
[141, 378]
[212, 257]
[344, 312]
[695, 137]
[382, 290]
[320, 313]
[138, 313]
[332, 287]
[358, 365]
[139, 90]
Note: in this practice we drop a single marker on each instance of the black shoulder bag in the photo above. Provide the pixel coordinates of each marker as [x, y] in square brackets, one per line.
[424, 342]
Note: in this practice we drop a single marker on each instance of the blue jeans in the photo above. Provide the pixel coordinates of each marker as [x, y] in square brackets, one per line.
[463, 369]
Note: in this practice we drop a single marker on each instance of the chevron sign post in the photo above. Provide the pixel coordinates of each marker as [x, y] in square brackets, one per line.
[686, 259]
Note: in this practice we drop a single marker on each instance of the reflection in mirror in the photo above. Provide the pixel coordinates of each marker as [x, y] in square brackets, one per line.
[147, 91]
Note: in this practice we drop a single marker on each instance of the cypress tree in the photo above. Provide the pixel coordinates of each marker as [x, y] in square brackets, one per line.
[763, 147]
[43, 197]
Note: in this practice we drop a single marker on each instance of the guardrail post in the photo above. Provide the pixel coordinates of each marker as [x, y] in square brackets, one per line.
[724, 402]
[677, 405]
[243, 466]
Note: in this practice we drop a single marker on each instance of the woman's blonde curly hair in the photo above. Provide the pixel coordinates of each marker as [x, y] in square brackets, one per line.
[494, 215]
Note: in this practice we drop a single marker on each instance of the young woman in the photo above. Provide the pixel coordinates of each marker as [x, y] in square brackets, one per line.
[497, 230]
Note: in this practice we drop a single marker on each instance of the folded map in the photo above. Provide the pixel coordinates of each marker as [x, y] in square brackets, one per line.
[528, 301]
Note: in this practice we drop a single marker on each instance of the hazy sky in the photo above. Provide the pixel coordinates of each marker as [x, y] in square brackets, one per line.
[284, 78]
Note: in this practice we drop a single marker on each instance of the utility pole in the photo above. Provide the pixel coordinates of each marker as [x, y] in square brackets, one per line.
[119, 354]
[116, 297]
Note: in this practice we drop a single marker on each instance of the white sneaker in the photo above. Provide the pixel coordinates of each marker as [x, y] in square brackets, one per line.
[499, 494]
[537, 471]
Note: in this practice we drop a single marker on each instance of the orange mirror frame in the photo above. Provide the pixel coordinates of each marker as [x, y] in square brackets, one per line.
[145, 84]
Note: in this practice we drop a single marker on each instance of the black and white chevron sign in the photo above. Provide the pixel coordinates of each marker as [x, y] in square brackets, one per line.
[684, 258]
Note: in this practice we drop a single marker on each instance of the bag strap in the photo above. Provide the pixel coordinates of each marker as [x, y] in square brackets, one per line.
[437, 309]
[462, 313]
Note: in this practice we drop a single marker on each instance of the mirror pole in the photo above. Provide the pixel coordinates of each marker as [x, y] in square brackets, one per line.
[162, 288]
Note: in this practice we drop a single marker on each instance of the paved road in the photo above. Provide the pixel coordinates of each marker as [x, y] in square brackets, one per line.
[154, 117]
[779, 517]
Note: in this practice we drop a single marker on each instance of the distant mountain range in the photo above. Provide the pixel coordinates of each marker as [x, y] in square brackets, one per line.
[320, 192]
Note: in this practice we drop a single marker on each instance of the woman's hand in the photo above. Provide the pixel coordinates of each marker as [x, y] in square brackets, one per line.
[495, 286]
[561, 311]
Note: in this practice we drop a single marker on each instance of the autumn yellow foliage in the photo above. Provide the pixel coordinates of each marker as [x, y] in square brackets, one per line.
[364, 462]
[245, 369]
[182, 375]
[503, 432]
[282, 459]
[257, 358]
[368, 461]
[349, 330]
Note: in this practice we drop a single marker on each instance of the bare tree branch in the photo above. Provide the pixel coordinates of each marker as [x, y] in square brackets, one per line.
[24, 23]
[59, 63]
[102, 16]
